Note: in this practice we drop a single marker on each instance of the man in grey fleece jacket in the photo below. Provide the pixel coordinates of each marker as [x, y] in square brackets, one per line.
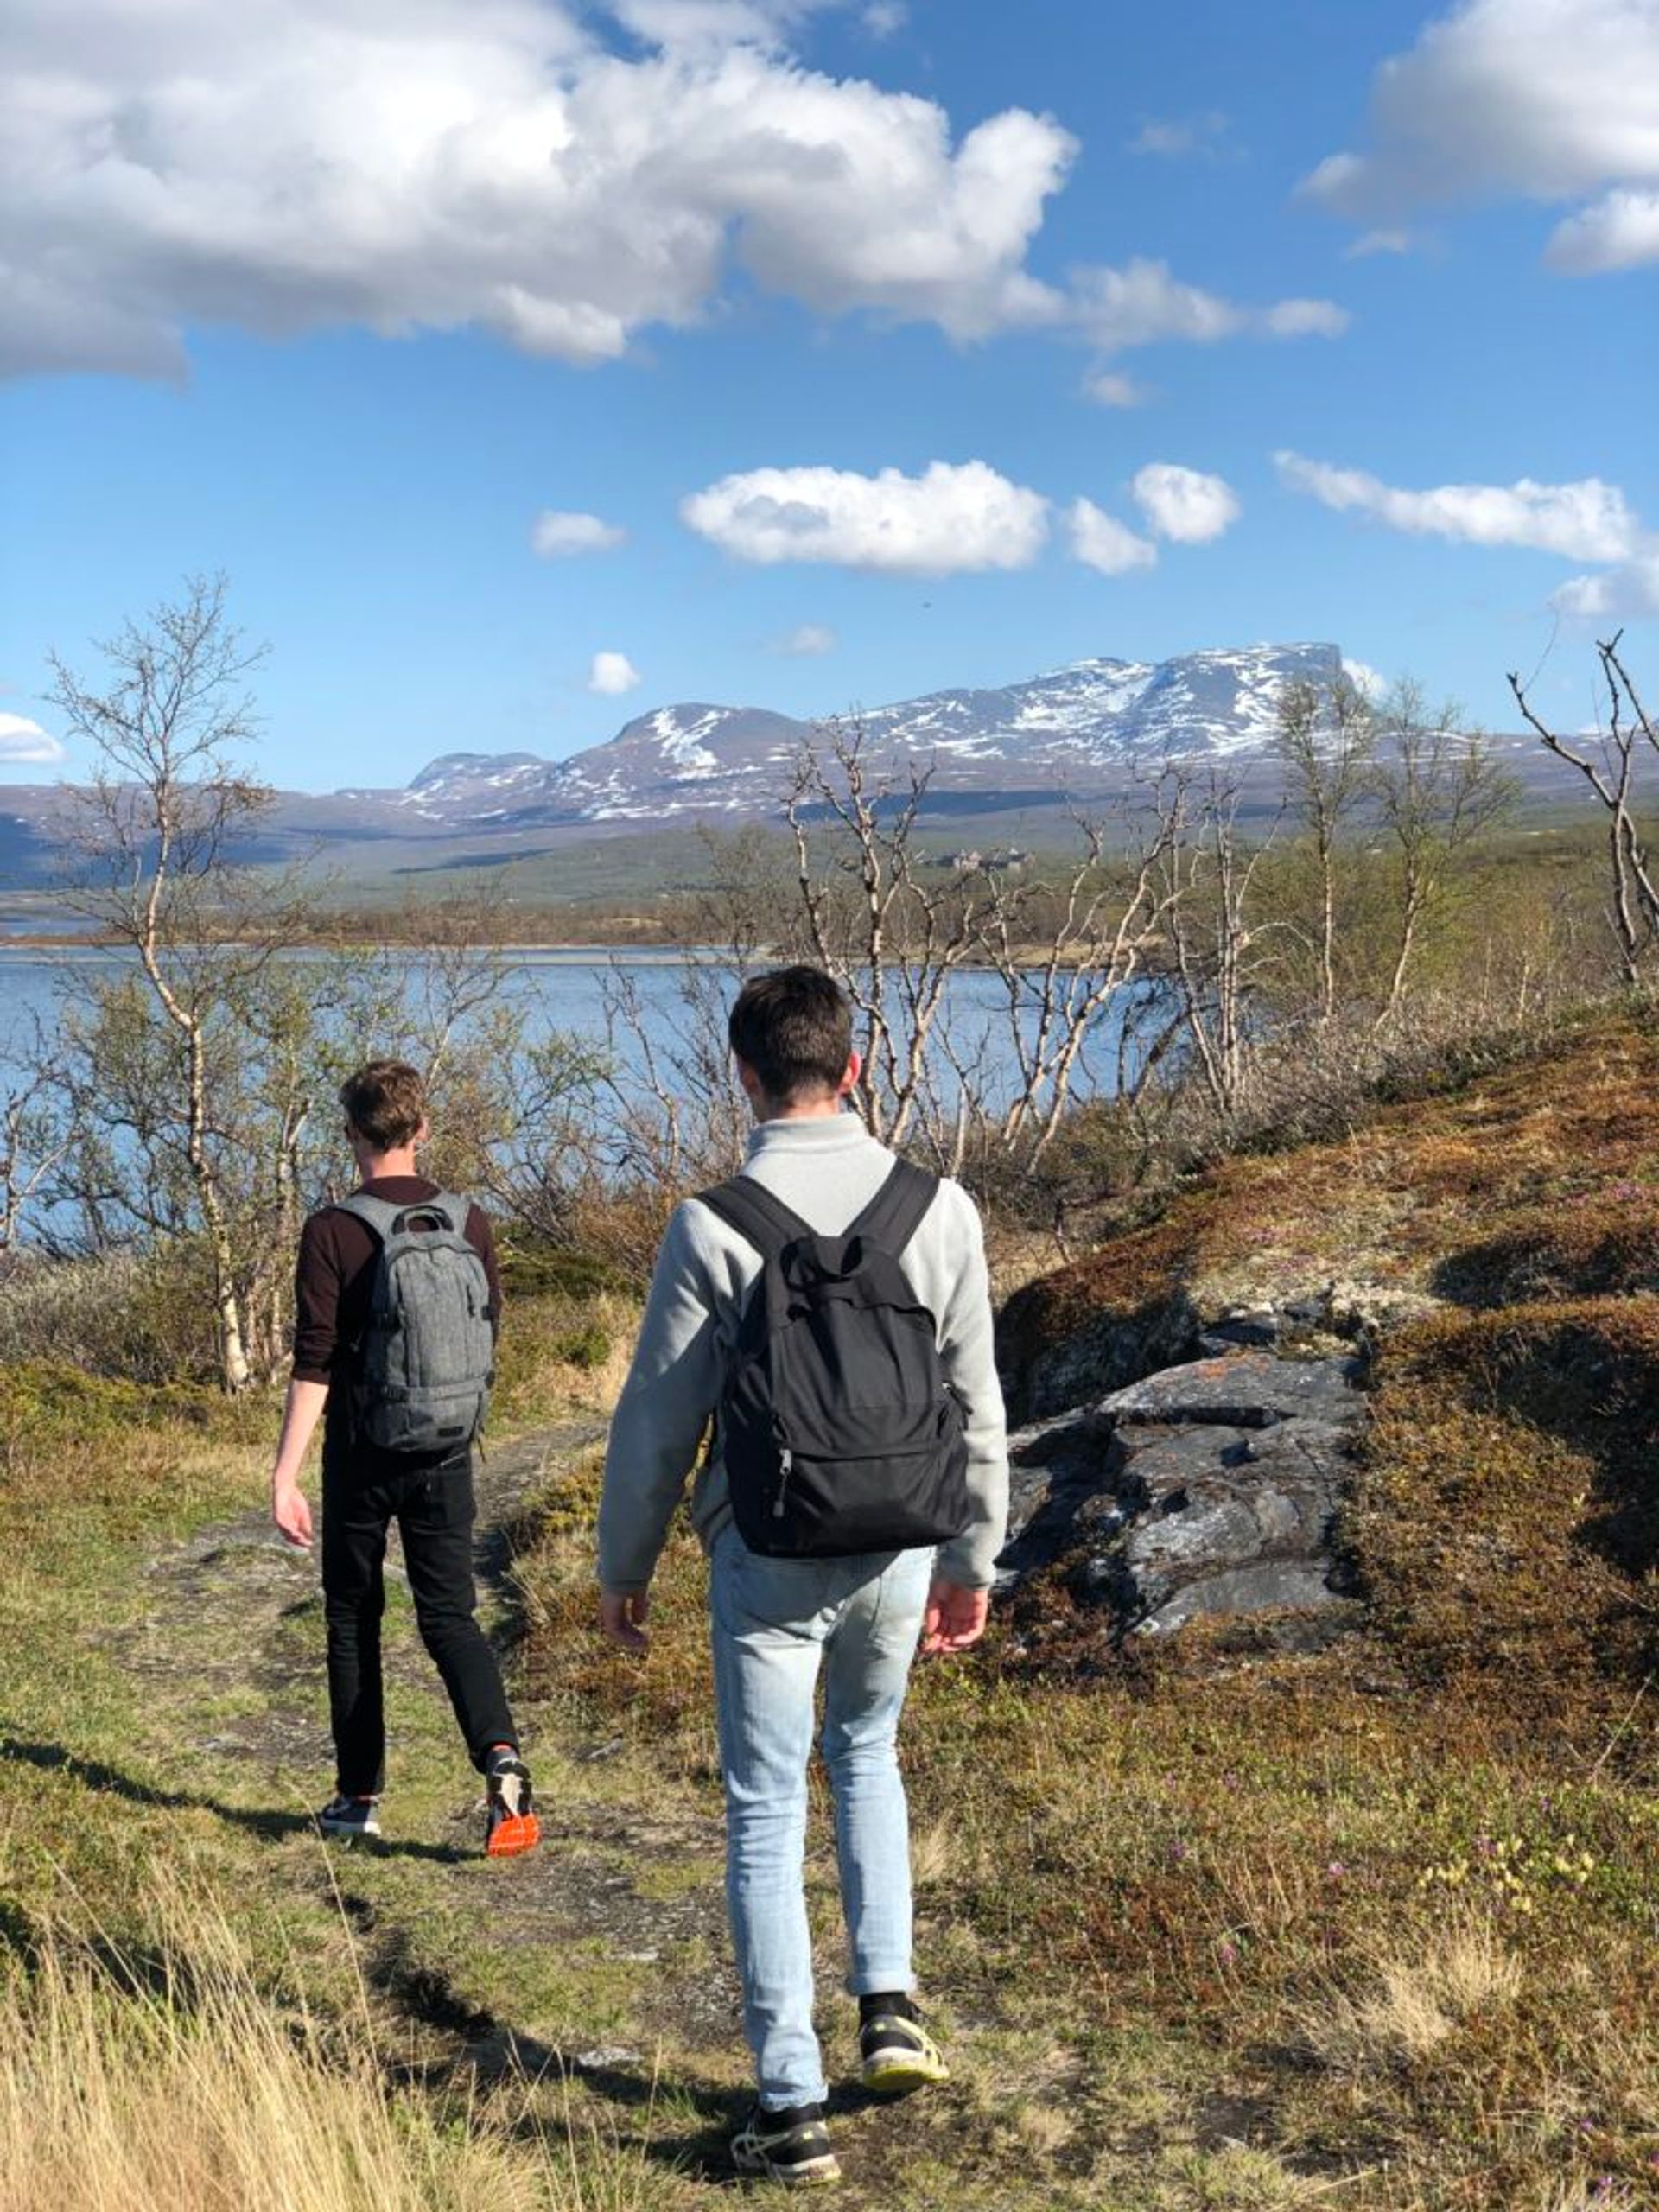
[777, 1623]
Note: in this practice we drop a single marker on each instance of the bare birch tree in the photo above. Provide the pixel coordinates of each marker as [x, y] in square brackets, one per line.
[891, 936]
[1062, 979]
[903, 937]
[1208, 871]
[1326, 740]
[1437, 788]
[156, 830]
[1609, 771]
[34, 1136]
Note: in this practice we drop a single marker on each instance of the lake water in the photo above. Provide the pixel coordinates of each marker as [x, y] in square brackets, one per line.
[566, 990]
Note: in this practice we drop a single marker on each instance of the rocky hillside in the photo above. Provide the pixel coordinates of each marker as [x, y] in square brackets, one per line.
[1406, 1383]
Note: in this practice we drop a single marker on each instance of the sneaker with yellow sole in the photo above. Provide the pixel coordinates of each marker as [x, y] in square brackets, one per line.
[897, 2052]
[792, 2147]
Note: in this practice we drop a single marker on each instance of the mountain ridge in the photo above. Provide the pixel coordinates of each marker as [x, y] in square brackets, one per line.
[1076, 730]
[1009, 757]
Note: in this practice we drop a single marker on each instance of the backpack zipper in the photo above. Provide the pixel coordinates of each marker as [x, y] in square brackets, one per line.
[786, 1468]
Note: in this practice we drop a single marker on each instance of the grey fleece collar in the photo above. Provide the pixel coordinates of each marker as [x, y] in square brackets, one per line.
[819, 1133]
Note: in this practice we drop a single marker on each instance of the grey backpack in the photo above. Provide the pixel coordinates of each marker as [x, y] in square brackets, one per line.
[426, 1359]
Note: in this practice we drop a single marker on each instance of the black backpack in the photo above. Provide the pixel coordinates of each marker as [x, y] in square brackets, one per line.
[839, 1432]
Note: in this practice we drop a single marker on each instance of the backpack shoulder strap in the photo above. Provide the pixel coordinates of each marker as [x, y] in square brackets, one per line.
[894, 1214]
[760, 1219]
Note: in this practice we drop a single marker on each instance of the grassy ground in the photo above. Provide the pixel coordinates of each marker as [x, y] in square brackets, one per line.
[1219, 1928]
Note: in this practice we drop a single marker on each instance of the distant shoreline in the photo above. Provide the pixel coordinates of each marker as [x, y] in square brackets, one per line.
[576, 948]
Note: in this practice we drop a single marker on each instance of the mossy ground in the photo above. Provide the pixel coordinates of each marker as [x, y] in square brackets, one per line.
[1216, 1928]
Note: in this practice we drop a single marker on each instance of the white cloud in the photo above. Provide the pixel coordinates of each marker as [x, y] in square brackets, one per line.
[1622, 594]
[684, 23]
[951, 518]
[24, 743]
[1100, 542]
[1174, 136]
[1585, 521]
[613, 674]
[282, 166]
[1618, 231]
[1110, 388]
[1552, 100]
[886, 18]
[557, 535]
[1365, 679]
[1304, 319]
[809, 641]
[1143, 303]
[1383, 241]
[1184, 504]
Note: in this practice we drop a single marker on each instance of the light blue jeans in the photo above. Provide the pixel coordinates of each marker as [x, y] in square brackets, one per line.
[776, 1623]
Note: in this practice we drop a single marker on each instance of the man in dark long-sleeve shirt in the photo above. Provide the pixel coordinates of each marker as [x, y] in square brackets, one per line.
[365, 1486]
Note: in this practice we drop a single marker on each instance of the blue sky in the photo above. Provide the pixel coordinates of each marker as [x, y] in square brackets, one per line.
[841, 351]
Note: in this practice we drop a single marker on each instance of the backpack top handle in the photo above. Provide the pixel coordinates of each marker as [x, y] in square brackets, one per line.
[443, 1211]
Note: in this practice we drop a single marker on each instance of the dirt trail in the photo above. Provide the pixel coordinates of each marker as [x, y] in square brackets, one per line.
[601, 1949]
[600, 1966]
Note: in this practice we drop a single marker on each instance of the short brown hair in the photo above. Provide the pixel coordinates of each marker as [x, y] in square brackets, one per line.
[385, 1104]
[794, 1028]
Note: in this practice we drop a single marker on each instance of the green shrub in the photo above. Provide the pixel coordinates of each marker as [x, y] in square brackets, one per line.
[587, 1348]
[540, 1270]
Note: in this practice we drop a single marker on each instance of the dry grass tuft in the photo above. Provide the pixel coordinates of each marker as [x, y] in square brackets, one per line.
[1415, 2003]
[934, 1852]
[167, 2081]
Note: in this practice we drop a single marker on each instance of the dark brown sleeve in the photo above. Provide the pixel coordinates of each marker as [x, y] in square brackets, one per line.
[481, 1237]
[316, 1301]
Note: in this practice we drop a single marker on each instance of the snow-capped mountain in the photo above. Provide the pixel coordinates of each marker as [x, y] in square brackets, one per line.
[475, 783]
[1076, 730]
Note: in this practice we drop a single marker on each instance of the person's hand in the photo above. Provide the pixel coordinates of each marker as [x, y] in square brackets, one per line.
[623, 1615]
[291, 1514]
[955, 1618]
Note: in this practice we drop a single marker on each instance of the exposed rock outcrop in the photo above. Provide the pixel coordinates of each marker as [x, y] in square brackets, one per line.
[1208, 1487]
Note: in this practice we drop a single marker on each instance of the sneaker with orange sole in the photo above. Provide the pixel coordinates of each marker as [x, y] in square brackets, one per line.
[510, 1828]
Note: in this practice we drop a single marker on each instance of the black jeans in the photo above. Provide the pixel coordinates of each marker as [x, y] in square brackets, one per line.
[434, 1510]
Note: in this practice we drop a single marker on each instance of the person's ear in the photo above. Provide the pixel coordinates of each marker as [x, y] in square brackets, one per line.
[753, 1089]
[423, 1134]
[849, 1082]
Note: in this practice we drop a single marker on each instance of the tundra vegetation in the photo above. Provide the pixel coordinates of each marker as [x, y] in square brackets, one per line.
[1241, 1921]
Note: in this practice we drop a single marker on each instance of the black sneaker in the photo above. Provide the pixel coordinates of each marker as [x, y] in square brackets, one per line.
[510, 1828]
[898, 2053]
[349, 1818]
[791, 2146]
